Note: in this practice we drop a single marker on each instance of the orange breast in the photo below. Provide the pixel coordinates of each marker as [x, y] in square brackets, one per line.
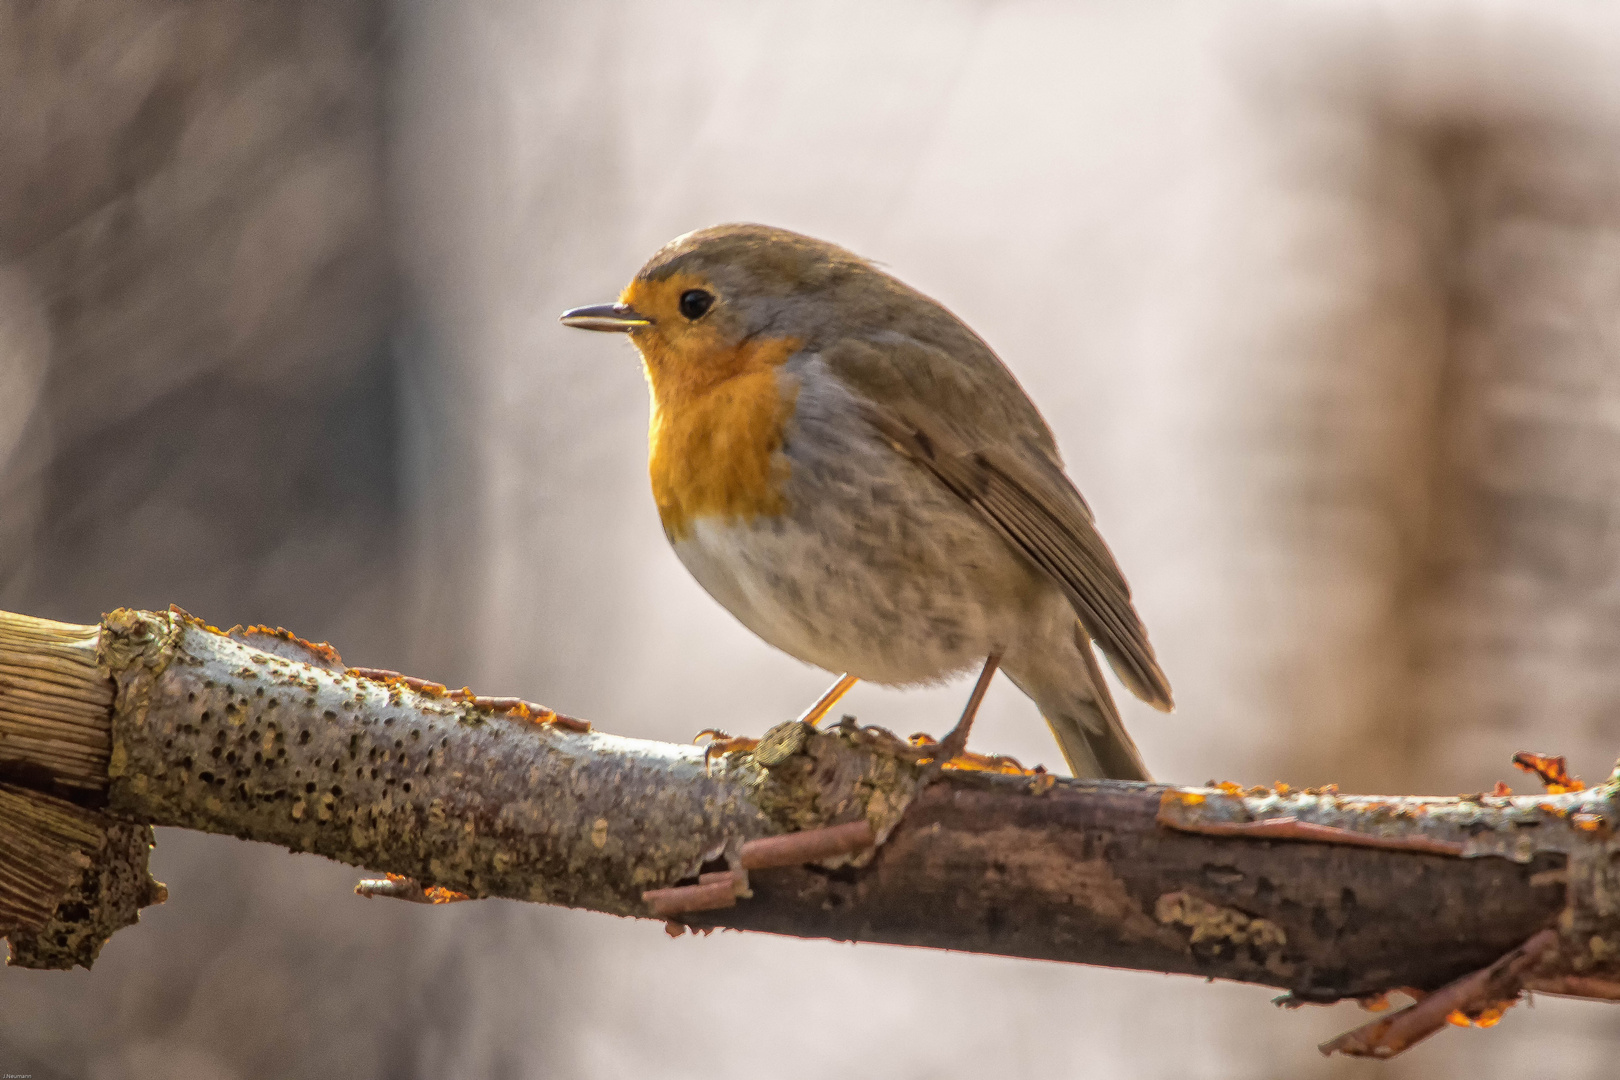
[716, 434]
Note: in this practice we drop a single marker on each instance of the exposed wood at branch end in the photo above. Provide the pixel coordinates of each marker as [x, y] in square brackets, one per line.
[69, 878]
[54, 705]
[46, 845]
[107, 897]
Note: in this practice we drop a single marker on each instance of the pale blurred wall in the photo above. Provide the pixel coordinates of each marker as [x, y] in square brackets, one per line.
[1295, 287]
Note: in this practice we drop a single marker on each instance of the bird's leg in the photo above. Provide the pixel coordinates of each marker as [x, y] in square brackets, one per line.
[955, 741]
[814, 714]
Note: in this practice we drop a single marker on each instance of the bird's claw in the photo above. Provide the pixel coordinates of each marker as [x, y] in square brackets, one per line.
[720, 744]
[931, 750]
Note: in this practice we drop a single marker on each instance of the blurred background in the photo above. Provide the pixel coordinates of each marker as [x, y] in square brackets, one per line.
[1322, 300]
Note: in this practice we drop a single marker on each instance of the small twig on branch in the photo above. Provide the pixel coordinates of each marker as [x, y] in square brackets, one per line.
[812, 833]
[1287, 828]
[1488, 990]
[712, 892]
[789, 849]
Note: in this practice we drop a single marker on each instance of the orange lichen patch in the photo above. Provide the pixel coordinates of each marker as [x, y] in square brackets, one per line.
[384, 675]
[400, 887]
[1291, 828]
[1588, 822]
[512, 707]
[518, 709]
[281, 642]
[1280, 789]
[320, 648]
[1487, 1017]
[1551, 769]
[1374, 1002]
[187, 617]
[1501, 790]
[438, 894]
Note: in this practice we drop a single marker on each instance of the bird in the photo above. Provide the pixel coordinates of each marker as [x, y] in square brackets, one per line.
[853, 473]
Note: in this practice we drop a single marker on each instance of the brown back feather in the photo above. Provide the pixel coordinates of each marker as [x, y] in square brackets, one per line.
[1017, 484]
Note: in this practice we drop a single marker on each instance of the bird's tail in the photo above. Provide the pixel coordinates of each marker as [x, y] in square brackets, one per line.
[1067, 686]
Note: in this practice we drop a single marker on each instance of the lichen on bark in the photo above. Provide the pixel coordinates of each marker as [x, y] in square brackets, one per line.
[213, 733]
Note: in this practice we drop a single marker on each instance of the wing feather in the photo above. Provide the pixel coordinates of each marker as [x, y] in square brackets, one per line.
[1027, 498]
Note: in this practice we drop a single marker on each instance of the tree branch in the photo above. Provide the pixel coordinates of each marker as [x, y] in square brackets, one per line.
[816, 834]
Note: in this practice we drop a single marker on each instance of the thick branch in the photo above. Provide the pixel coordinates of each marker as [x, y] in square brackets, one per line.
[258, 735]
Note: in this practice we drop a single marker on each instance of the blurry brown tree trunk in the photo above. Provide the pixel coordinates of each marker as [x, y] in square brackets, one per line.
[1428, 425]
[1516, 592]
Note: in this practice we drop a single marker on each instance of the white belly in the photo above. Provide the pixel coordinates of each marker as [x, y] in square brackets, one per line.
[739, 565]
[849, 596]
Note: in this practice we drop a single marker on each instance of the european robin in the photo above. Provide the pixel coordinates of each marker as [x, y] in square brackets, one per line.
[856, 476]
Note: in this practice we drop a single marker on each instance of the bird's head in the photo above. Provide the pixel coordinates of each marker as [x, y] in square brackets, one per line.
[712, 296]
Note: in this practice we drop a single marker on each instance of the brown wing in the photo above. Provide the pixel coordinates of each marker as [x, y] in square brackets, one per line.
[1024, 493]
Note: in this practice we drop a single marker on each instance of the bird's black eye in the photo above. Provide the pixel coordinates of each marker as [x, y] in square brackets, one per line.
[695, 303]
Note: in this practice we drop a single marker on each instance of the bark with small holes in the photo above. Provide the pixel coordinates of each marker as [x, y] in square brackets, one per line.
[259, 735]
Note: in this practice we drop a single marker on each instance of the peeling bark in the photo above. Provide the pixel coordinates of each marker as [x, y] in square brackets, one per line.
[259, 735]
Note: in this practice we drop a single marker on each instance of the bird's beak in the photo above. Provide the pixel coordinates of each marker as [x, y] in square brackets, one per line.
[618, 317]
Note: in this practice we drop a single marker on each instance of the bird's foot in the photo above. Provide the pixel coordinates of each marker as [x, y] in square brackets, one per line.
[954, 745]
[929, 750]
[720, 744]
